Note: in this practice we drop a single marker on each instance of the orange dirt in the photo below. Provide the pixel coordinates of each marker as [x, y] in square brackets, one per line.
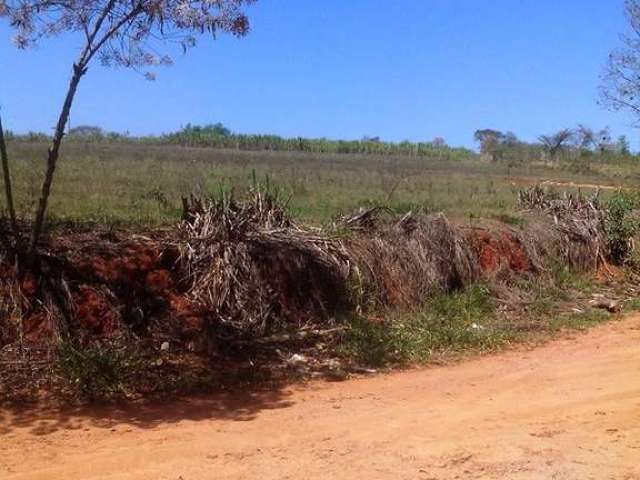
[499, 249]
[112, 283]
[607, 273]
[95, 312]
[566, 410]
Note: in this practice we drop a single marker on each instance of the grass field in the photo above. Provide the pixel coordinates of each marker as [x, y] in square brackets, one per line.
[143, 184]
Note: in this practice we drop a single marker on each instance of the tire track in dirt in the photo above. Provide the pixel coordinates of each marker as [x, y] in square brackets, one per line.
[567, 184]
[569, 409]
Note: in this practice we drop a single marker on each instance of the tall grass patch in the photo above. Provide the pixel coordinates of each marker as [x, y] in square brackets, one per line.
[447, 323]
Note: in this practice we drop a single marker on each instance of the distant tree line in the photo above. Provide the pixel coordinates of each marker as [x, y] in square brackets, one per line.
[218, 136]
[567, 144]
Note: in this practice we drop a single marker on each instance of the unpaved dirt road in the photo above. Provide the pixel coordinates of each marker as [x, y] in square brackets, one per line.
[566, 410]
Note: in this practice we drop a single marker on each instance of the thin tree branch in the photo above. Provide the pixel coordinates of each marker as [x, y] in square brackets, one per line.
[6, 172]
[130, 16]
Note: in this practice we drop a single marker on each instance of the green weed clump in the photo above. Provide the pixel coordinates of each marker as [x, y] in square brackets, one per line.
[621, 225]
[97, 371]
[448, 322]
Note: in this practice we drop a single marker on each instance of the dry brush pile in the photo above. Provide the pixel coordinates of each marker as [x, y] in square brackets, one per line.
[576, 233]
[242, 271]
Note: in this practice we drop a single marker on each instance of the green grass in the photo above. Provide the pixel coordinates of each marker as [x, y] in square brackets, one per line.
[142, 184]
[98, 371]
[467, 321]
[632, 305]
[510, 219]
[454, 322]
[578, 320]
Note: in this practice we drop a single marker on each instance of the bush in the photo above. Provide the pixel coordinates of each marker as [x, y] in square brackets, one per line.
[97, 371]
[621, 226]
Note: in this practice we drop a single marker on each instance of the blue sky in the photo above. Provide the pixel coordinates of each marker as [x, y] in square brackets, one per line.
[405, 69]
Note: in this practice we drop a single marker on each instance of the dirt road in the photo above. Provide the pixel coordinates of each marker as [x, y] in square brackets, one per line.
[567, 410]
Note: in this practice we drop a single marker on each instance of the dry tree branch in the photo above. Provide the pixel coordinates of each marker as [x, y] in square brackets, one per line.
[6, 172]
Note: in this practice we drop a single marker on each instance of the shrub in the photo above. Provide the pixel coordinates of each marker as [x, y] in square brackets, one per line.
[620, 225]
[96, 371]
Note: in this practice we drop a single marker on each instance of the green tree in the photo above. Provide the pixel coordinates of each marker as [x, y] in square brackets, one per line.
[126, 33]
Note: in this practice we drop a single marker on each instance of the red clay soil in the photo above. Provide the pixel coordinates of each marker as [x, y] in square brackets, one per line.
[566, 410]
[95, 312]
[608, 273]
[121, 279]
[111, 283]
[498, 250]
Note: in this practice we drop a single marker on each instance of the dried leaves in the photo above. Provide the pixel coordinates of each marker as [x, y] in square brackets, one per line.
[576, 234]
[253, 268]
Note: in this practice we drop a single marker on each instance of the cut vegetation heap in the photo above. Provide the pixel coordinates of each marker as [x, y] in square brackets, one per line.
[234, 275]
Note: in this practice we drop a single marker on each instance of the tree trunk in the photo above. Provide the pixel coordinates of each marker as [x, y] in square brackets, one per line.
[5, 240]
[78, 71]
[7, 183]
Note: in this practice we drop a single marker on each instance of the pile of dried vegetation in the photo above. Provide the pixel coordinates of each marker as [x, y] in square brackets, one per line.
[244, 280]
[577, 234]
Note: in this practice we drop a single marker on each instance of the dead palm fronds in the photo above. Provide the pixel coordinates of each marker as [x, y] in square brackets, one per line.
[256, 270]
[402, 261]
[576, 234]
[253, 268]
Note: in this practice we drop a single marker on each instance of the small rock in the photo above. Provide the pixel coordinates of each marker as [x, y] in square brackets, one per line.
[164, 347]
[297, 360]
[337, 375]
[613, 306]
[335, 370]
[364, 370]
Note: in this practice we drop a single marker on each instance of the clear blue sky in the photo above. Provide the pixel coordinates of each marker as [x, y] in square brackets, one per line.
[405, 69]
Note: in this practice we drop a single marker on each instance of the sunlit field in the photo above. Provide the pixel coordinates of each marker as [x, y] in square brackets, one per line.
[133, 183]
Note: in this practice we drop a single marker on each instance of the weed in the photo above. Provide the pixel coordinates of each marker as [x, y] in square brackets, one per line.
[633, 305]
[620, 225]
[510, 219]
[578, 320]
[451, 322]
[100, 180]
[565, 279]
[97, 371]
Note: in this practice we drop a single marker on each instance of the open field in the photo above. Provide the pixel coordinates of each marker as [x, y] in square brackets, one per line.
[139, 183]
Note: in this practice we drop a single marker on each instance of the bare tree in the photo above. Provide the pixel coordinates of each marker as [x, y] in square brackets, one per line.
[556, 142]
[585, 137]
[126, 33]
[620, 86]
